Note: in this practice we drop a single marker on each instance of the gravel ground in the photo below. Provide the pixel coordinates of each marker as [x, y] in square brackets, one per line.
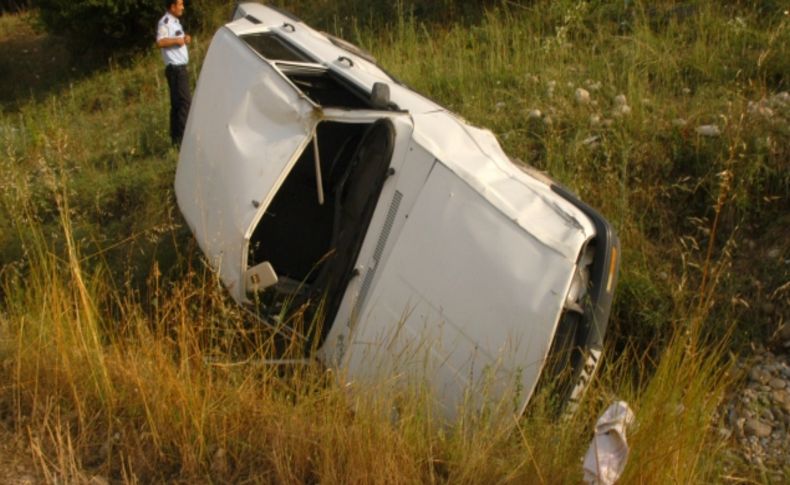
[756, 415]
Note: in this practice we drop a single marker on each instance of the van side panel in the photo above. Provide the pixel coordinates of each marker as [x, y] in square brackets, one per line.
[467, 298]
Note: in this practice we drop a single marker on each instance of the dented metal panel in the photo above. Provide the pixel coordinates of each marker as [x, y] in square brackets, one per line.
[246, 126]
[485, 294]
[462, 269]
[475, 156]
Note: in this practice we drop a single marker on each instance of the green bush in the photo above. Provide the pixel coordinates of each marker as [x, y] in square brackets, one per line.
[102, 25]
[378, 12]
[105, 27]
[13, 5]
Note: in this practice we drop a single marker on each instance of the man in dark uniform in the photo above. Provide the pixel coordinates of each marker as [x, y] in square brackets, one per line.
[172, 41]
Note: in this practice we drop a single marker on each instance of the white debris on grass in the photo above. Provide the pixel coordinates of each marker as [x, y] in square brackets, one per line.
[621, 107]
[534, 114]
[623, 110]
[591, 141]
[608, 452]
[769, 107]
[592, 85]
[759, 108]
[582, 96]
[708, 130]
[550, 87]
[679, 123]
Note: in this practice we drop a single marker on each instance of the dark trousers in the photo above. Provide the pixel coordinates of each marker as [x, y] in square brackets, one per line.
[180, 99]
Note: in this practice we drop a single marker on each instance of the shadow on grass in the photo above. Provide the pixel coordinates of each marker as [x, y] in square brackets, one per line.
[34, 65]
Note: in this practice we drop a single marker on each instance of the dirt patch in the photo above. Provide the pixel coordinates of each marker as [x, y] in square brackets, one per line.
[16, 460]
[34, 64]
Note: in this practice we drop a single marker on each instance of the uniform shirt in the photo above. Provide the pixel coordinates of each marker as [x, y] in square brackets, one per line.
[169, 27]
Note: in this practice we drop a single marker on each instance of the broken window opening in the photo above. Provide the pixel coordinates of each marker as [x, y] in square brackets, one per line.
[272, 47]
[313, 247]
[326, 88]
[318, 83]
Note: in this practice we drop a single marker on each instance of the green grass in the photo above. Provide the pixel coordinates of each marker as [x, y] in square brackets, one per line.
[108, 317]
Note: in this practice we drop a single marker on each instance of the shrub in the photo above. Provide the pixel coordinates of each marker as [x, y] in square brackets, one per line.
[108, 26]
[13, 5]
[322, 13]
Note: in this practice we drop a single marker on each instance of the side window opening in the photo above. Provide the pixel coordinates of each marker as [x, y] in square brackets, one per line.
[327, 90]
[272, 47]
[313, 246]
[318, 83]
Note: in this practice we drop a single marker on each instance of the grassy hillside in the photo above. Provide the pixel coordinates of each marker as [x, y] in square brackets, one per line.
[120, 354]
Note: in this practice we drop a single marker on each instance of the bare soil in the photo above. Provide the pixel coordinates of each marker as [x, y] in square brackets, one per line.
[17, 466]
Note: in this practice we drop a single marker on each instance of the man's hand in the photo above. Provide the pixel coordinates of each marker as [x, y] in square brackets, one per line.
[173, 41]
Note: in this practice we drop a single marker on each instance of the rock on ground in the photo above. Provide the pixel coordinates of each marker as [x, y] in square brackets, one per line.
[757, 415]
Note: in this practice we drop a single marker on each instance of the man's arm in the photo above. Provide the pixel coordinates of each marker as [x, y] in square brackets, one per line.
[165, 42]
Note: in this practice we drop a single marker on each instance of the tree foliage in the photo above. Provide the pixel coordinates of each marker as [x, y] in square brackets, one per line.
[110, 26]
[102, 24]
[13, 5]
[387, 11]
[107, 26]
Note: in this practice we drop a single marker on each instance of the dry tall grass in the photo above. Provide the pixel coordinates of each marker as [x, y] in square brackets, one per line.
[163, 380]
[103, 384]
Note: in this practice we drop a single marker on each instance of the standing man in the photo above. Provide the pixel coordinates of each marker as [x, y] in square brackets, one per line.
[172, 40]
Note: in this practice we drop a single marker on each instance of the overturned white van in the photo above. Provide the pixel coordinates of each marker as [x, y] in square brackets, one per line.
[308, 173]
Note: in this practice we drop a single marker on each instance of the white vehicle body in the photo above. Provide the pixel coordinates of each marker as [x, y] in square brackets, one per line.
[434, 251]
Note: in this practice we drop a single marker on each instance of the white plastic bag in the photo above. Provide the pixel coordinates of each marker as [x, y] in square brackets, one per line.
[608, 452]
